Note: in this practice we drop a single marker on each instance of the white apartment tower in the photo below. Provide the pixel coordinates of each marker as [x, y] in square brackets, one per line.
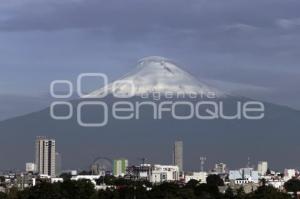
[58, 163]
[45, 156]
[178, 155]
[262, 167]
[120, 166]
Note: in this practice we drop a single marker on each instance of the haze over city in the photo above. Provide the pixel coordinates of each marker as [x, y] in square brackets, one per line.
[149, 99]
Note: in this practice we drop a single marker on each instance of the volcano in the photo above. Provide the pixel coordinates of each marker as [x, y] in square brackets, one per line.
[158, 75]
[273, 138]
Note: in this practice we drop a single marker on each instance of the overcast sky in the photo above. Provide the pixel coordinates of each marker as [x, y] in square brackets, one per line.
[249, 47]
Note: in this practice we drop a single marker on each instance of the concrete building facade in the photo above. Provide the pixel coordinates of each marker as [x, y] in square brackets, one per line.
[120, 166]
[178, 155]
[45, 156]
[262, 167]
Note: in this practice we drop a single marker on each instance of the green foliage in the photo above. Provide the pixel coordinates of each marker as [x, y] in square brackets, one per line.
[263, 182]
[214, 180]
[165, 190]
[109, 180]
[192, 184]
[268, 192]
[66, 176]
[2, 179]
[126, 189]
[229, 193]
[85, 173]
[207, 191]
[3, 195]
[240, 193]
[292, 185]
[81, 189]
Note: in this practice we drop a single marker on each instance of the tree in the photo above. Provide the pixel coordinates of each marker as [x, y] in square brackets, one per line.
[186, 193]
[81, 189]
[229, 193]
[43, 190]
[3, 195]
[85, 189]
[268, 192]
[192, 184]
[106, 194]
[263, 182]
[293, 185]
[214, 180]
[108, 180]
[66, 176]
[240, 193]
[207, 191]
[85, 173]
[2, 181]
[165, 190]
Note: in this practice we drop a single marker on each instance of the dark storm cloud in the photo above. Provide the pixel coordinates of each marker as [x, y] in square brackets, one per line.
[139, 17]
[234, 26]
[247, 42]
[256, 26]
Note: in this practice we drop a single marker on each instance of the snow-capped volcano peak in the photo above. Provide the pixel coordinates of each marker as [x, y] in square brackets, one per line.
[159, 75]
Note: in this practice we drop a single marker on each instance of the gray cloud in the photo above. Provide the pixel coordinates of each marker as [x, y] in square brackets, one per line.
[253, 42]
[288, 23]
[143, 16]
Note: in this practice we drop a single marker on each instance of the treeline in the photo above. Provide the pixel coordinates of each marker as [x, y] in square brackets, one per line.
[127, 189]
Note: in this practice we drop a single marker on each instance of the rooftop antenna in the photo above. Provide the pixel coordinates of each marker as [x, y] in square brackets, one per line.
[248, 163]
[202, 162]
[143, 160]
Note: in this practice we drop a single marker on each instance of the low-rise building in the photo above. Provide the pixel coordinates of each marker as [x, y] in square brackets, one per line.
[91, 178]
[154, 173]
[141, 172]
[56, 180]
[276, 183]
[200, 176]
[244, 176]
[164, 173]
[289, 174]
[220, 168]
[30, 167]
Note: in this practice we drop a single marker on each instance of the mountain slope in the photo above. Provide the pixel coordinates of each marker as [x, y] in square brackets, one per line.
[231, 141]
[160, 75]
[273, 138]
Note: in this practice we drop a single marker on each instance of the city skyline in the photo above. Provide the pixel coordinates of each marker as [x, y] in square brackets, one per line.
[119, 164]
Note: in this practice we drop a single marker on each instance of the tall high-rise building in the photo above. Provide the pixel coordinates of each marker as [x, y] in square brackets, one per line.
[58, 164]
[178, 155]
[262, 167]
[120, 166]
[45, 156]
